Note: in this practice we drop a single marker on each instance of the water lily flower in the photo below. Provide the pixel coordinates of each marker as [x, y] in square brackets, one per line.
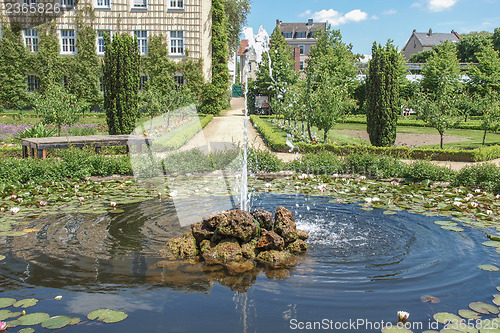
[3, 325]
[474, 204]
[362, 177]
[489, 212]
[58, 297]
[2, 209]
[368, 200]
[43, 203]
[112, 204]
[433, 186]
[339, 201]
[322, 187]
[477, 191]
[267, 185]
[457, 203]
[302, 176]
[375, 199]
[497, 196]
[13, 196]
[364, 188]
[76, 186]
[394, 183]
[15, 210]
[81, 199]
[173, 193]
[403, 316]
[20, 200]
[87, 178]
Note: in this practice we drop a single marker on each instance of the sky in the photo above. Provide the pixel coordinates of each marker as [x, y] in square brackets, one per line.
[362, 22]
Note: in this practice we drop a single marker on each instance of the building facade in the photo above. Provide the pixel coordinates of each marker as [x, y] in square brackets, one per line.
[186, 24]
[423, 41]
[300, 37]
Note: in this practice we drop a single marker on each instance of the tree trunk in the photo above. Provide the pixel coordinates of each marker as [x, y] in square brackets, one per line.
[325, 136]
[309, 131]
[442, 139]
[484, 136]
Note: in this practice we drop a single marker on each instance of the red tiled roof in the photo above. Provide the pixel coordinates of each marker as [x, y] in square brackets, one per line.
[243, 47]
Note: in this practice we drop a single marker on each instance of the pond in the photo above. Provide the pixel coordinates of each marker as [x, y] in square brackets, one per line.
[361, 267]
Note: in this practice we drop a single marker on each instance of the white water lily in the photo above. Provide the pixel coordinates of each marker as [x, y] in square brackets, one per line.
[173, 193]
[374, 199]
[489, 212]
[457, 203]
[302, 176]
[403, 316]
[268, 185]
[474, 204]
[363, 188]
[58, 297]
[112, 204]
[362, 177]
[15, 210]
[368, 200]
[477, 191]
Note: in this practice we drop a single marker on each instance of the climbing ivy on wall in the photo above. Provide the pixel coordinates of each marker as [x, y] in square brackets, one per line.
[216, 94]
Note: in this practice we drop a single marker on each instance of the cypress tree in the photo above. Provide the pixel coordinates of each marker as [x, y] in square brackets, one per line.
[386, 69]
[121, 83]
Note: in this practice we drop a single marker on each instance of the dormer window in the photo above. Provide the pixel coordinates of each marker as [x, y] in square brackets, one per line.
[300, 34]
[287, 34]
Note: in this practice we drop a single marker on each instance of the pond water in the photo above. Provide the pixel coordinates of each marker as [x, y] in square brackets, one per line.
[362, 266]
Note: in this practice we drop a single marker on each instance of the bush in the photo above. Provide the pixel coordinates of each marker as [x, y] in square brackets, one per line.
[263, 161]
[374, 165]
[37, 131]
[320, 163]
[274, 137]
[422, 170]
[485, 175]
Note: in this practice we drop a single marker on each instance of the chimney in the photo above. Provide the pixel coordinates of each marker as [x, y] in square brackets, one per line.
[278, 22]
[310, 22]
[430, 32]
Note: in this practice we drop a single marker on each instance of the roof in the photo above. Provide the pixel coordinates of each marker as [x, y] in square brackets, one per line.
[243, 47]
[308, 27]
[435, 38]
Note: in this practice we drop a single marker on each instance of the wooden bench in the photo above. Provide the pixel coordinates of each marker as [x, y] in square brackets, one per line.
[40, 145]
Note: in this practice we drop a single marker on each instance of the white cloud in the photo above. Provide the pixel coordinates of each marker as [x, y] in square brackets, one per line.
[440, 5]
[307, 13]
[336, 18]
[416, 5]
[391, 11]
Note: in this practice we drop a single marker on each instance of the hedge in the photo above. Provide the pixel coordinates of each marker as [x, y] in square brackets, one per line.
[275, 138]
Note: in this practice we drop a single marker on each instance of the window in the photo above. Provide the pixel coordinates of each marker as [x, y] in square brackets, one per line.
[301, 65]
[142, 81]
[302, 49]
[179, 79]
[142, 40]
[287, 34]
[176, 42]
[32, 82]
[67, 3]
[103, 4]
[176, 4]
[300, 34]
[30, 2]
[139, 4]
[31, 39]
[68, 41]
[100, 40]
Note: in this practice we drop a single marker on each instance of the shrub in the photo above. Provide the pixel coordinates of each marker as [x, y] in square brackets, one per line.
[274, 137]
[374, 165]
[320, 163]
[37, 131]
[263, 161]
[485, 175]
[422, 170]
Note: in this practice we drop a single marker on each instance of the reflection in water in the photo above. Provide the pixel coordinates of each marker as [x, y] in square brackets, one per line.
[381, 263]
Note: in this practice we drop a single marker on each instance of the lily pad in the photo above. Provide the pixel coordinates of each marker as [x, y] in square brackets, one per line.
[446, 223]
[6, 302]
[484, 308]
[107, 315]
[492, 244]
[56, 322]
[27, 330]
[33, 318]
[451, 228]
[428, 298]
[6, 314]
[13, 323]
[2, 257]
[25, 303]
[445, 317]
[468, 314]
[490, 268]
[75, 321]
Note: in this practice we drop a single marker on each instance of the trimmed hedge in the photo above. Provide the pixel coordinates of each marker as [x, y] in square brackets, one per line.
[275, 138]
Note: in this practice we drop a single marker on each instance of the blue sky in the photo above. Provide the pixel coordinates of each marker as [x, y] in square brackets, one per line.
[361, 22]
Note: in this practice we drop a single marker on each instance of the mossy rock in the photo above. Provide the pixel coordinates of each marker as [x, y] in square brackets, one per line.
[201, 231]
[226, 251]
[248, 249]
[304, 235]
[264, 218]
[184, 247]
[238, 224]
[299, 246]
[275, 259]
[239, 267]
[270, 241]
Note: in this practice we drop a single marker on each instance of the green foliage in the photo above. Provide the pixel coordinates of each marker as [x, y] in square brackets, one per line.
[422, 170]
[471, 44]
[485, 76]
[374, 165]
[216, 93]
[276, 70]
[323, 162]
[13, 92]
[442, 70]
[496, 39]
[269, 133]
[490, 106]
[37, 131]
[121, 83]
[181, 135]
[47, 63]
[421, 57]
[236, 12]
[263, 161]
[85, 66]
[386, 70]
[484, 175]
[56, 106]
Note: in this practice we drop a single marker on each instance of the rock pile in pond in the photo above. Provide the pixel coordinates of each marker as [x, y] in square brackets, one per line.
[239, 240]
